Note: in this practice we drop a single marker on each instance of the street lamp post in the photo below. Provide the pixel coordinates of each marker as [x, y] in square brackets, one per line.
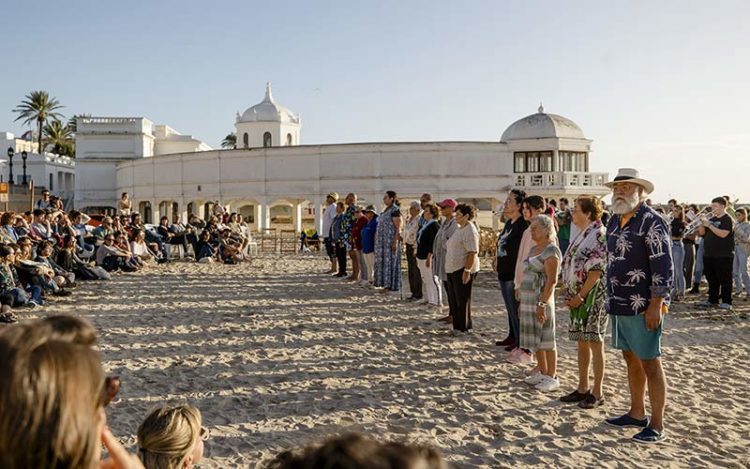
[24, 155]
[11, 152]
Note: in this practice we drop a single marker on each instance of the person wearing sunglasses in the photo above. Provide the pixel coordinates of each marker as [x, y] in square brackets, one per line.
[172, 438]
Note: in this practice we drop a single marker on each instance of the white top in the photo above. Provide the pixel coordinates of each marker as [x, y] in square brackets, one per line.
[411, 229]
[328, 215]
[139, 249]
[458, 247]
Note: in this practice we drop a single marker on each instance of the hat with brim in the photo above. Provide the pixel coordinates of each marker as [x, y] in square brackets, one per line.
[448, 203]
[333, 195]
[631, 176]
[369, 208]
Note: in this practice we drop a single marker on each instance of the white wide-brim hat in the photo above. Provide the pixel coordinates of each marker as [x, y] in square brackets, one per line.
[632, 176]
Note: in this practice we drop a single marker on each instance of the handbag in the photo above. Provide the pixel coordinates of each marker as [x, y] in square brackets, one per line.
[580, 315]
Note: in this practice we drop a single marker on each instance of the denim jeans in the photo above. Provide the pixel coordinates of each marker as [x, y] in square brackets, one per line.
[698, 263]
[678, 256]
[739, 270]
[508, 288]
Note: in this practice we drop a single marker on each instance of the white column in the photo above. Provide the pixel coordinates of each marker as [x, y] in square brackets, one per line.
[318, 217]
[297, 216]
[154, 212]
[258, 215]
[555, 162]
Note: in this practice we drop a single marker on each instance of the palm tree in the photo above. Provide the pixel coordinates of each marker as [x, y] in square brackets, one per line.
[60, 137]
[230, 141]
[37, 107]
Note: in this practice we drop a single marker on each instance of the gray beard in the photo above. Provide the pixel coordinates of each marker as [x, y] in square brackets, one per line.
[621, 207]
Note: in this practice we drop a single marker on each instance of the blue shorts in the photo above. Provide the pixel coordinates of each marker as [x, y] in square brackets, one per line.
[629, 334]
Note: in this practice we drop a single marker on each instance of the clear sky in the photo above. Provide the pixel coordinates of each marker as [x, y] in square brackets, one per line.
[663, 86]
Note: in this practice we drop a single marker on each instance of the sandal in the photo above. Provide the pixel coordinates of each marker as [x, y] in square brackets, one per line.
[575, 396]
[591, 402]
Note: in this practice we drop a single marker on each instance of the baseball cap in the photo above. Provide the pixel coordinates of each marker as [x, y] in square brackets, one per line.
[447, 203]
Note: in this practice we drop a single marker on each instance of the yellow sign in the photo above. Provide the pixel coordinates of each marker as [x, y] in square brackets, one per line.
[3, 187]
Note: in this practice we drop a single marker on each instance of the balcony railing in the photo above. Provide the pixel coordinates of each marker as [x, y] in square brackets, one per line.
[561, 180]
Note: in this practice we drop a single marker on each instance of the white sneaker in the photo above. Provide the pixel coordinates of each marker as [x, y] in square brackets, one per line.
[534, 379]
[421, 301]
[548, 384]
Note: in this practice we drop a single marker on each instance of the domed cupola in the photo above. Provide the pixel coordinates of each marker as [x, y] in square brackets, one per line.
[542, 125]
[268, 110]
[267, 124]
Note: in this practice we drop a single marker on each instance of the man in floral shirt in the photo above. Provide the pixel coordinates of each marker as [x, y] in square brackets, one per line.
[640, 274]
[348, 220]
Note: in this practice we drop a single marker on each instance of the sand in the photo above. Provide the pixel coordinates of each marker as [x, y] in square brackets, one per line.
[276, 354]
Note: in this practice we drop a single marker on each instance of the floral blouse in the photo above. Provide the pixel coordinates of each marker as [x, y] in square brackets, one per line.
[587, 252]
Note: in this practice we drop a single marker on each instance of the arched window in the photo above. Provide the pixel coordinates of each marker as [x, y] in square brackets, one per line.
[289, 140]
[245, 140]
[267, 139]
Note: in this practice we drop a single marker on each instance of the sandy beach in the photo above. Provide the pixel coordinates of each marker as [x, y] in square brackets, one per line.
[276, 354]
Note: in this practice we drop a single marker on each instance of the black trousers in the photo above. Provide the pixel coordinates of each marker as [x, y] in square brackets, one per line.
[341, 257]
[452, 307]
[330, 248]
[415, 278]
[718, 271]
[462, 294]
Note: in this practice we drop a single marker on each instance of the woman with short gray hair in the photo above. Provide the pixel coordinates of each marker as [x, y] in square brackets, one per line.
[537, 310]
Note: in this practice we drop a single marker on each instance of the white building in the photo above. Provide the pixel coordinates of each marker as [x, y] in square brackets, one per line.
[542, 153]
[55, 172]
[102, 143]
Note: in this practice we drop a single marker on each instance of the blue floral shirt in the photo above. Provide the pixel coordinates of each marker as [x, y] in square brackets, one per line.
[639, 262]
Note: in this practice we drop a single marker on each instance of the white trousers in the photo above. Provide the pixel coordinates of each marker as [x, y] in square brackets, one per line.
[430, 284]
[370, 265]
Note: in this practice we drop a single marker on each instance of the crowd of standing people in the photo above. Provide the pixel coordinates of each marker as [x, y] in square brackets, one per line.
[617, 272]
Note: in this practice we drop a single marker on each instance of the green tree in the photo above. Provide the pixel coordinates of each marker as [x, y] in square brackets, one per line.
[37, 107]
[60, 137]
[230, 141]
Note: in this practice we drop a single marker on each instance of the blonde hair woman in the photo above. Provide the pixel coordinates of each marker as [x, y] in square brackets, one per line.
[172, 438]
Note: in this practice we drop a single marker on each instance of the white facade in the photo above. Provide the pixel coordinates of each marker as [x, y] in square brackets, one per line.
[55, 172]
[542, 153]
[104, 142]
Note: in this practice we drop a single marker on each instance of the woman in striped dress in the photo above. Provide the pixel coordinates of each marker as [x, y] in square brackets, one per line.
[537, 309]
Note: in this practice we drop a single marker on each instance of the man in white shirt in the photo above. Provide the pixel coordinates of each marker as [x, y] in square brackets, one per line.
[328, 215]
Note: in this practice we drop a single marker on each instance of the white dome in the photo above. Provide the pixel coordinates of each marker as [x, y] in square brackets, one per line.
[268, 111]
[541, 125]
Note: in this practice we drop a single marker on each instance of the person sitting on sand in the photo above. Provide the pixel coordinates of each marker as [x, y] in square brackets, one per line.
[111, 258]
[63, 278]
[354, 451]
[207, 252]
[11, 287]
[139, 248]
[172, 438]
[230, 248]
